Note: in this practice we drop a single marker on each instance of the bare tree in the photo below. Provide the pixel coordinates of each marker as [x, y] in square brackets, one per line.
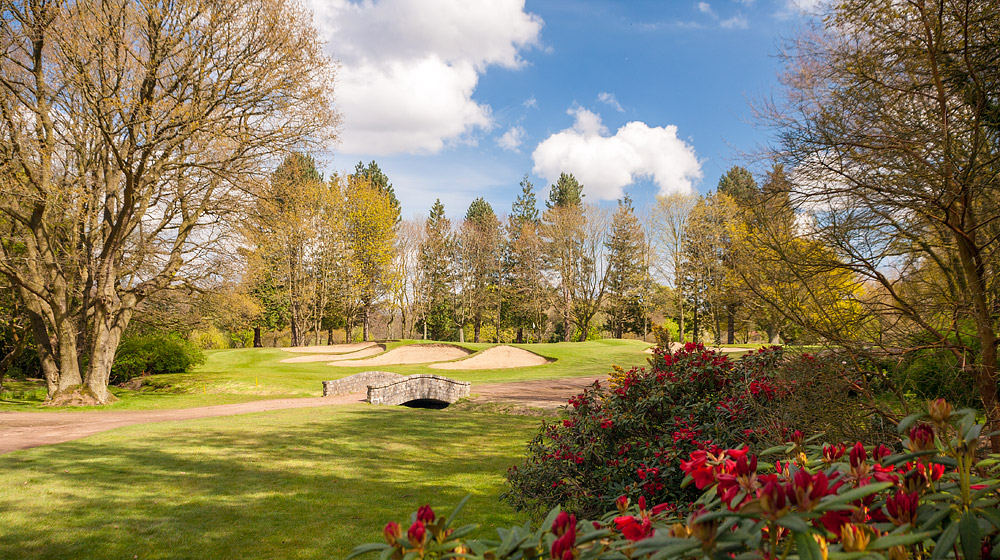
[891, 139]
[128, 129]
[671, 217]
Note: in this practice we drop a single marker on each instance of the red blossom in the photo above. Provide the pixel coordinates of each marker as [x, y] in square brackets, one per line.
[416, 533]
[634, 529]
[425, 514]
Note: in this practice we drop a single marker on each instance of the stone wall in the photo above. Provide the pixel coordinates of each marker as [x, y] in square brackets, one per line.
[417, 387]
[358, 382]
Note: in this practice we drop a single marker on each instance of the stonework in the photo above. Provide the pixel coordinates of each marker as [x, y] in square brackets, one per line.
[418, 387]
[358, 382]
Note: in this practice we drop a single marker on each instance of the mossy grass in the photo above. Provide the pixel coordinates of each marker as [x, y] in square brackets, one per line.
[302, 483]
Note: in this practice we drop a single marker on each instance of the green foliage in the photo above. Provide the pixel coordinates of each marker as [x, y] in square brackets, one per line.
[151, 354]
[626, 439]
[935, 500]
[379, 180]
[437, 274]
[565, 193]
[209, 338]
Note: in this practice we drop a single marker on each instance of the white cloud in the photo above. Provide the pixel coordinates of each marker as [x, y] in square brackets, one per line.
[512, 139]
[609, 99]
[531, 102]
[606, 164]
[409, 67]
[705, 8]
[739, 21]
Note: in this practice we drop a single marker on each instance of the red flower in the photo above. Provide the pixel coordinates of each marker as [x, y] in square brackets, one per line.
[416, 533]
[622, 503]
[562, 548]
[392, 532]
[921, 437]
[902, 508]
[807, 490]
[858, 455]
[633, 529]
[833, 452]
[425, 514]
[564, 523]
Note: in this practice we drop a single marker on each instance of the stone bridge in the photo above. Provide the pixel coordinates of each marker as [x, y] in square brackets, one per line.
[392, 388]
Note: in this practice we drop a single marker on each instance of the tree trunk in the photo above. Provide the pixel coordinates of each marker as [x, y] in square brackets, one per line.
[329, 336]
[365, 323]
[520, 335]
[294, 323]
[730, 323]
[257, 342]
[477, 325]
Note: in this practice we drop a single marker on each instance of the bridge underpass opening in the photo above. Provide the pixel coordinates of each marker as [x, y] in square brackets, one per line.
[426, 403]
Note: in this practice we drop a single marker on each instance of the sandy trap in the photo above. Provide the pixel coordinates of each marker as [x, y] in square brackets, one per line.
[363, 353]
[410, 354]
[497, 357]
[331, 349]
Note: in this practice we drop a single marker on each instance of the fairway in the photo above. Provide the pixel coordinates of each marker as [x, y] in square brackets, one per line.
[241, 375]
[305, 483]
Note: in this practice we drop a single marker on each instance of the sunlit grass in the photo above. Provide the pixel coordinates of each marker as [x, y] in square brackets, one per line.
[303, 483]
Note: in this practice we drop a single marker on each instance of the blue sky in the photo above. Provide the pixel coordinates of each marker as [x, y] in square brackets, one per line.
[457, 99]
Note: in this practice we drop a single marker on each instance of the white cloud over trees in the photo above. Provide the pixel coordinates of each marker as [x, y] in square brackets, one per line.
[605, 164]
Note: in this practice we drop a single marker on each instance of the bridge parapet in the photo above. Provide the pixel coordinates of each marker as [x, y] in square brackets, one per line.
[418, 387]
[358, 382]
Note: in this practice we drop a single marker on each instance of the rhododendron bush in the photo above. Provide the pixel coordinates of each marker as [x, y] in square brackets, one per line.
[627, 438]
[936, 499]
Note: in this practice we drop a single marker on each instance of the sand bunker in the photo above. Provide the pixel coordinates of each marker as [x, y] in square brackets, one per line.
[497, 357]
[331, 349]
[410, 354]
[363, 353]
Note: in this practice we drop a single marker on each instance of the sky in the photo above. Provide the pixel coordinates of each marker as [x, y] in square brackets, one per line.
[457, 99]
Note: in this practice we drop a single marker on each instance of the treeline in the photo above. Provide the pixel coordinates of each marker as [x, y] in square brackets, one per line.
[327, 260]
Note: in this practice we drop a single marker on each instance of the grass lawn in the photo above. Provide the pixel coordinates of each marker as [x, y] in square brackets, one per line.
[302, 483]
[241, 375]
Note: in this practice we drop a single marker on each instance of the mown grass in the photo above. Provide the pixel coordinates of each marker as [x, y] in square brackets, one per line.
[240, 375]
[302, 483]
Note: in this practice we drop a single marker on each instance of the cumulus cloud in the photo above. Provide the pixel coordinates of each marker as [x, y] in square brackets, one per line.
[609, 99]
[512, 139]
[605, 164]
[409, 68]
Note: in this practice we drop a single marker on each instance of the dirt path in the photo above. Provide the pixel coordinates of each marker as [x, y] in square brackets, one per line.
[21, 430]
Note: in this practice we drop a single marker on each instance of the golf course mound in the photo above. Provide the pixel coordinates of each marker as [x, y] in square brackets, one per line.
[497, 357]
[330, 349]
[410, 354]
[363, 353]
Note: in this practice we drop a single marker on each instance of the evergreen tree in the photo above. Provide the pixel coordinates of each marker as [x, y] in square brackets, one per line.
[480, 264]
[564, 222]
[374, 175]
[523, 286]
[437, 274]
[626, 271]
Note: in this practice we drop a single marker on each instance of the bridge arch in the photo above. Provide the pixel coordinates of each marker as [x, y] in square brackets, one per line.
[420, 387]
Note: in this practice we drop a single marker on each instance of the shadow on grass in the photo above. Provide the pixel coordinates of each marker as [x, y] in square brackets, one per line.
[291, 484]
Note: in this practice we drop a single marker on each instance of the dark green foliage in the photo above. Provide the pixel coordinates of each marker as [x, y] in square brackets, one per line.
[566, 192]
[628, 273]
[155, 353]
[628, 439]
[437, 274]
[379, 180]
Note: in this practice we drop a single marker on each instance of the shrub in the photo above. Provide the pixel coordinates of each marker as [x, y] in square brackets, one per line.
[626, 439]
[936, 500]
[156, 353]
[209, 339]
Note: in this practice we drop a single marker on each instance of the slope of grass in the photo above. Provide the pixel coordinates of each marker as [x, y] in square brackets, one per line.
[303, 483]
[242, 375]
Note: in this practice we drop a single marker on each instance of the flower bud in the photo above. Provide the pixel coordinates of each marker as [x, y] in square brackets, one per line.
[899, 552]
[417, 533]
[902, 507]
[425, 514]
[392, 532]
[858, 455]
[833, 452]
[855, 538]
[622, 503]
[564, 523]
[797, 438]
[772, 499]
[940, 410]
[921, 437]
[824, 551]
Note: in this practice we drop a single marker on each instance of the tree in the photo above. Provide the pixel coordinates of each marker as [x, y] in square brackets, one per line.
[704, 268]
[480, 259]
[374, 175]
[626, 244]
[523, 289]
[437, 274]
[739, 185]
[563, 223]
[130, 129]
[891, 128]
[671, 217]
[370, 218]
[589, 269]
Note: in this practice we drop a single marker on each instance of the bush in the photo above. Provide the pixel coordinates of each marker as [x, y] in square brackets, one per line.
[156, 353]
[824, 502]
[209, 339]
[627, 439]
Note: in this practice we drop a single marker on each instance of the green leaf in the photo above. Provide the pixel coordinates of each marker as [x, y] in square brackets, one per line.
[793, 523]
[993, 516]
[829, 502]
[457, 509]
[910, 420]
[968, 528]
[773, 450]
[944, 543]
[808, 547]
[907, 457]
[901, 539]
[972, 434]
[366, 548]
[939, 516]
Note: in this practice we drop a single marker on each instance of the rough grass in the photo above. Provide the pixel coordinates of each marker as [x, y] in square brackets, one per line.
[303, 483]
[241, 375]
